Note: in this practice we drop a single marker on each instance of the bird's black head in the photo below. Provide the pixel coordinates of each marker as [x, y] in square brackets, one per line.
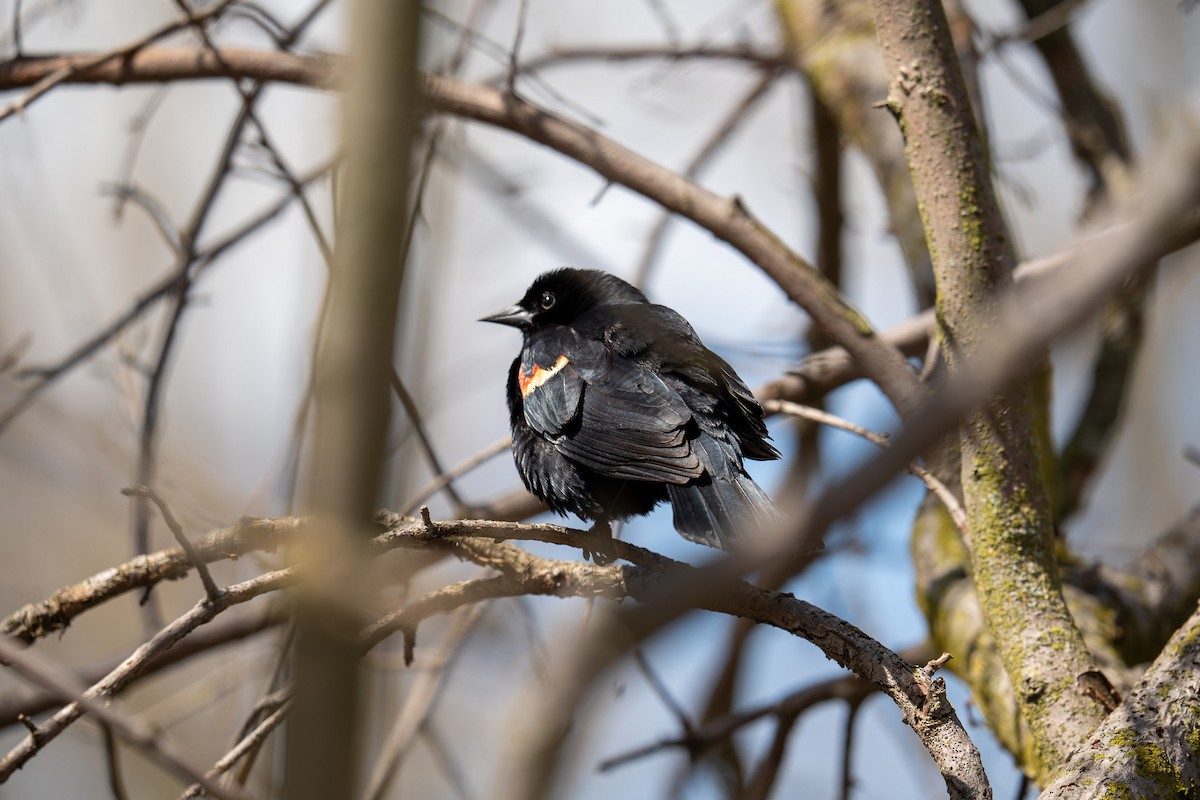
[558, 297]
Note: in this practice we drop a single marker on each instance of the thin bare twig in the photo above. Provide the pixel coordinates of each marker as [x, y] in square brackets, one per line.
[943, 492]
[251, 741]
[719, 137]
[18, 43]
[45, 376]
[112, 763]
[669, 25]
[278, 690]
[210, 586]
[138, 129]
[419, 705]
[664, 694]
[418, 423]
[1031, 30]
[510, 80]
[443, 480]
[14, 705]
[847, 782]
[767, 773]
[737, 53]
[153, 744]
[154, 209]
[445, 757]
[116, 680]
[68, 71]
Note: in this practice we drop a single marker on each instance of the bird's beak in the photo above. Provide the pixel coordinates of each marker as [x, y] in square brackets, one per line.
[513, 315]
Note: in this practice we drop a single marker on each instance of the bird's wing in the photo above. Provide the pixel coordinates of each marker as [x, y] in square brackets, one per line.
[550, 396]
[634, 426]
[683, 358]
[609, 414]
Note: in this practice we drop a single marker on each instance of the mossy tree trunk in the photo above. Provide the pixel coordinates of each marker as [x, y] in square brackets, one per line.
[1011, 531]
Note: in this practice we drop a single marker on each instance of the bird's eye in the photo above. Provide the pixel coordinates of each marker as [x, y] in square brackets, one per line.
[547, 301]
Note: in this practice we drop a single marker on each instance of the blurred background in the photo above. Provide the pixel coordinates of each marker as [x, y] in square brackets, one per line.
[92, 175]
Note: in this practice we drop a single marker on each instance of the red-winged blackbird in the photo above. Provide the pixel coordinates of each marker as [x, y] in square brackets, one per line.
[616, 405]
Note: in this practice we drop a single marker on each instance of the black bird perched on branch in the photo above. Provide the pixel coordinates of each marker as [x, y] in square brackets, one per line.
[616, 405]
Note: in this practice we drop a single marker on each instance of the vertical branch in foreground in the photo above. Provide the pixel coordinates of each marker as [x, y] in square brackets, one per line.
[354, 360]
[1011, 528]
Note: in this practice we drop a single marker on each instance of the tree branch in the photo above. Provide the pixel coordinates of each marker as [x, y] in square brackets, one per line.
[14, 705]
[116, 680]
[170, 64]
[727, 219]
[58, 611]
[1011, 541]
[1147, 747]
[523, 573]
[153, 744]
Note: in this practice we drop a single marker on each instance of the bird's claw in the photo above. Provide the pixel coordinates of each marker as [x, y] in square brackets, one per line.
[600, 528]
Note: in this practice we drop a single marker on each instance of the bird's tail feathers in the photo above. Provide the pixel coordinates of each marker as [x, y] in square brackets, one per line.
[718, 511]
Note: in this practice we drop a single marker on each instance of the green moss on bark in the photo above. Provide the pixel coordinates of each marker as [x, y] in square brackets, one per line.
[1152, 763]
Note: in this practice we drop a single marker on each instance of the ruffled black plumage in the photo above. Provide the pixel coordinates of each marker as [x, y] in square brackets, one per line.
[616, 406]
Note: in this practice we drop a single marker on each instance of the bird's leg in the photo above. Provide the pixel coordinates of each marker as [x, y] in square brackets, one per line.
[600, 527]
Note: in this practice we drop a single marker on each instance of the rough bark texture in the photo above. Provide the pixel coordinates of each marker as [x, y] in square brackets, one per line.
[1147, 748]
[1011, 528]
[1126, 615]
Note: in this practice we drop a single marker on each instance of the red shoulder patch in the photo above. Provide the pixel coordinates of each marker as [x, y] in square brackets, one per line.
[529, 379]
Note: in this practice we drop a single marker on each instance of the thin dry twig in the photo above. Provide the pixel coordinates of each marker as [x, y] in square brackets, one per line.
[210, 586]
[65, 73]
[510, 80]
[444, 479]
[767, 772]
[418, 423]
[445, 758]
[45, 376]
[15, 705]
[153, 744]
[116, 680]
[703, 157]
[847, 782]
[943, 492]
[154, 209]
[112, 764]
[762, 59]
[660, 689]
[278, 690]
[420, 704]
[248, 743]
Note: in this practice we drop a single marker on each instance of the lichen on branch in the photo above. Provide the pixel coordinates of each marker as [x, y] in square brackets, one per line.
[1011, 538]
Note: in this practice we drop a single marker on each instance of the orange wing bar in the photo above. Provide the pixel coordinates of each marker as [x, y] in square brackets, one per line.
[528, 382]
